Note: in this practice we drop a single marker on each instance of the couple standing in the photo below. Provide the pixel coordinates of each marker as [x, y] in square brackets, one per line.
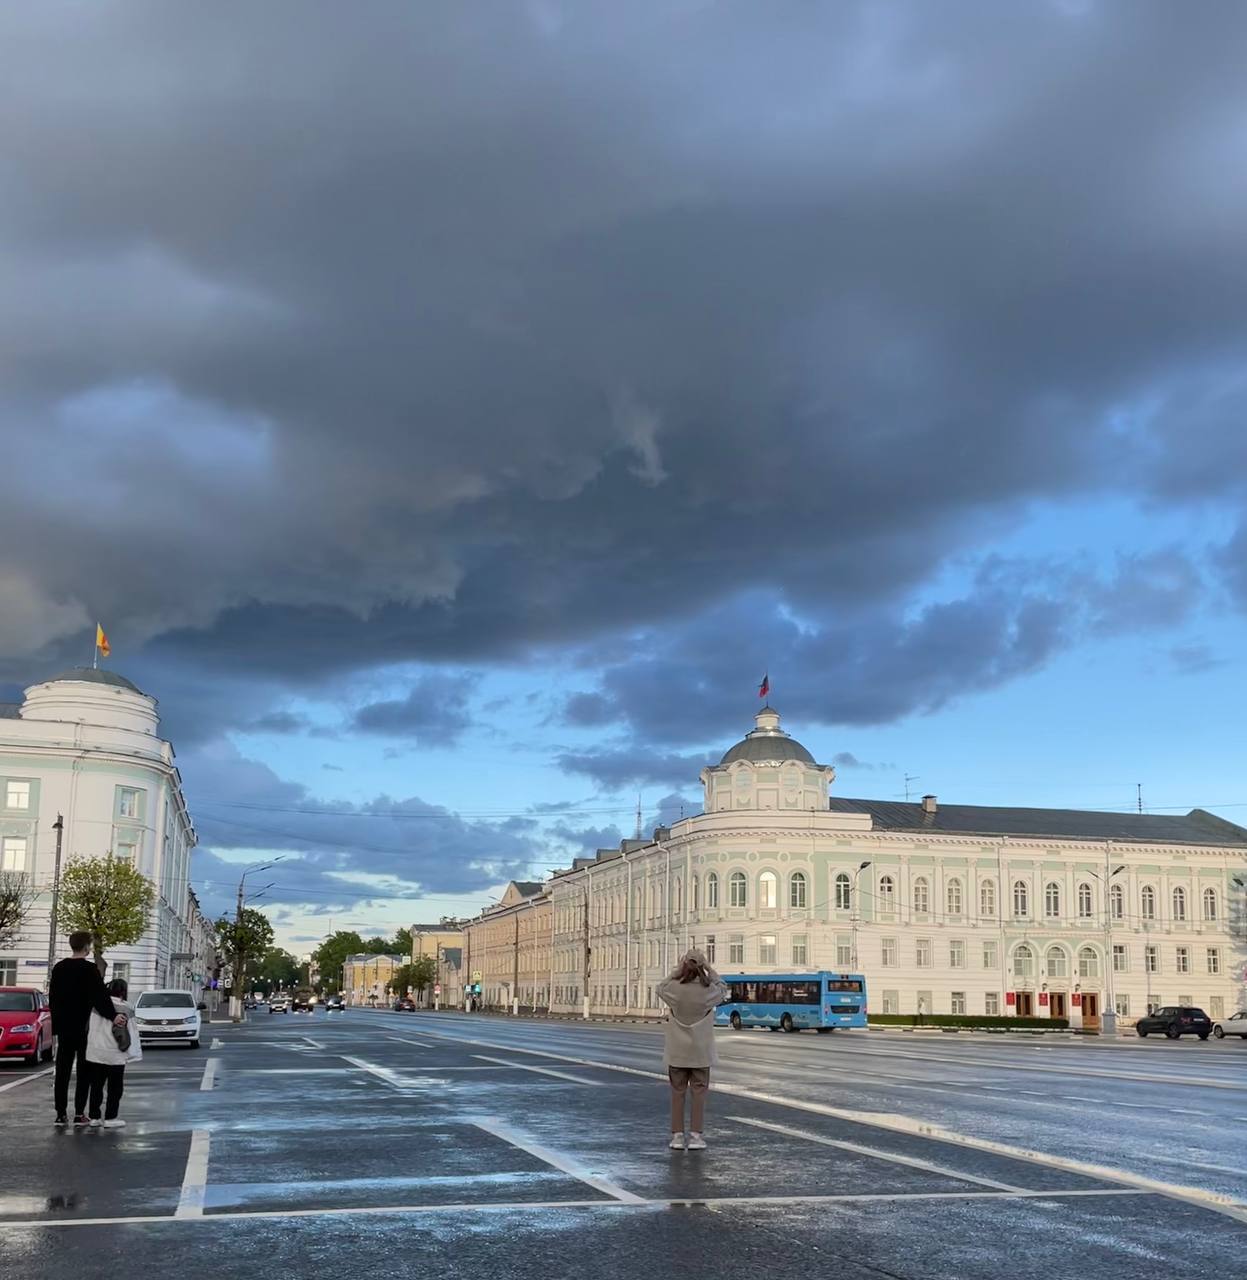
[91, 1023]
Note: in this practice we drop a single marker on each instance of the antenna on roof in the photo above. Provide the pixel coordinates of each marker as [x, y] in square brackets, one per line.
[638, 815]
[909, 777]
[1138, 786]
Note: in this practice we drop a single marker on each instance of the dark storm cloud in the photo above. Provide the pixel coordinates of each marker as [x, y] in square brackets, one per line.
[620, 766]
[417, 334]
[434, 711]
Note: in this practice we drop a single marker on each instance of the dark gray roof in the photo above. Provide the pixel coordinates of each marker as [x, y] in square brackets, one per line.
[94, 675]
[769, 746]
[529, 888]
[1196, 827]
[10, 710]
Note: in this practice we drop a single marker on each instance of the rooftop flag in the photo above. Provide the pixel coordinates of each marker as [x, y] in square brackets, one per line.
[763, 689]
[101, 641]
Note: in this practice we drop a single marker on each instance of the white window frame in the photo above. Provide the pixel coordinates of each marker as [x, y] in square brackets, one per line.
[19, 788]
[798, 891]
[843, 889]
[768, 948]
[738, 890]
[768, 891]
[14, 851]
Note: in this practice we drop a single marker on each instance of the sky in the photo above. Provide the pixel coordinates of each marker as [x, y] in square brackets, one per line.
[451, 413]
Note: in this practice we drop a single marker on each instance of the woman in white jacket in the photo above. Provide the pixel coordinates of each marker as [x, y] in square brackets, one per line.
[691, 995]
[108, 1060]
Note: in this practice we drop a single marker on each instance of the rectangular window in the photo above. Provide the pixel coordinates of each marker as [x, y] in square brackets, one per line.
[13, 855]
[1182, 959]
[957, 953]
[766, 949]
[958, 1002]
[1216, 1007]
[991, 957]
[16, 794]
[1214, 959]
[8, 973]
[710, 948]
[736, 949]
[1151, 959]
[888, 949]
[991, 1004]
[127, 802]
[121, 970]
[1186, 1000]
[922, 953]
[844, 951]
[891, 1002]
[800, 951]
[1120, 964]
[1123, 1006]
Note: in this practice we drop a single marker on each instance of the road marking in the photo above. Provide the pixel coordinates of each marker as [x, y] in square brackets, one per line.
[195, 1179]
[393, 1078]
[544, 1071]
[34, 1075]
[420, 1044]
[926, 1166]
[1214, 1200]
[315, 1044]
[217, 1043]
[615, 1206]
[208, 1083]
[556, 1160]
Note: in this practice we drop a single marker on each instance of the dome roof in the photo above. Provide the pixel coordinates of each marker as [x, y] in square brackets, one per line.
[94, 675]
[768, 742]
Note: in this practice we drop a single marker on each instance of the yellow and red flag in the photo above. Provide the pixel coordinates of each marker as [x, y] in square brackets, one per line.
[101, 641]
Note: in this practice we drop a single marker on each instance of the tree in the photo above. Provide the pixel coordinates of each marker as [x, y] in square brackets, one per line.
[243, 938]
[17, 896]
[108, 898]
[423, 973]
[331, 955]
[277, 968]
[402, 944]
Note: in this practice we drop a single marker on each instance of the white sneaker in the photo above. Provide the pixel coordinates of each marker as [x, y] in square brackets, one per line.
[121, 1124]
[677, 1142]
[94, 1124]
[696, 1142]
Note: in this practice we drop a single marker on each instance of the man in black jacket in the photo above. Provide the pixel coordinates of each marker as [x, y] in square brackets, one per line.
[75, 988]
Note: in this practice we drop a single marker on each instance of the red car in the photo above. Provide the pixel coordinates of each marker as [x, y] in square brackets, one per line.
[25, 1024]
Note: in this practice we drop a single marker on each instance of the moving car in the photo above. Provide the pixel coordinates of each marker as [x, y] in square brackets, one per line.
[279, 1004]
[335, 1004]
[25, 1024]
[170, 1017]
[1176, 1020]
[405, 1005]
[1234, 1025]
[303, 1002]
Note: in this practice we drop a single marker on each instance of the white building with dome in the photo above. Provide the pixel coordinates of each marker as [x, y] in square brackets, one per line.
[86, 745]
[947, 909]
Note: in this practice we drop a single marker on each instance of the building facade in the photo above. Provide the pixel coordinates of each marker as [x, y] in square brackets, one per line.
[86, 745]
[947, 909]
[443, 944]
[366, 978]
[510, 947]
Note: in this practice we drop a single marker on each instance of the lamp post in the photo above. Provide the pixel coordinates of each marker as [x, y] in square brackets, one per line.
[236, 998]
[857, 898]
[1108, 1015]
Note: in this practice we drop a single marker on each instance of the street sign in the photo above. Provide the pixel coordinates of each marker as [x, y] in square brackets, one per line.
[35, 964]
[476, 977]
[182, 955]
[437, 988]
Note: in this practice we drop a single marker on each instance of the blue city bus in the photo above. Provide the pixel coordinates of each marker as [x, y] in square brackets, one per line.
[793, 1001]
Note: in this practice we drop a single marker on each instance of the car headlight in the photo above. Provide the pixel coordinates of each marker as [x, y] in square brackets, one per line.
[26, 1026]
[192, 1019]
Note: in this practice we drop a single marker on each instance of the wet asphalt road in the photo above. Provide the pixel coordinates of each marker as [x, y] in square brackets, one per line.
[446, 1145]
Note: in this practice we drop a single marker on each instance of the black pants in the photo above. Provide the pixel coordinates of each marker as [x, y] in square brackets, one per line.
[115, 1078]
[68, 1051]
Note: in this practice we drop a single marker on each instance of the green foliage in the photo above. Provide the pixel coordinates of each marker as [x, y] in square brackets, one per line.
[401, 944]
[17, 896]
[276, 968]
[332, 953]
[969, 1021]
[423, 972]
[109, 898]
[243, 939]
[400, 980]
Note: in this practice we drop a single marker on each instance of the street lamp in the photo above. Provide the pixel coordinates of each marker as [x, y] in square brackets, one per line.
[857, 896]
[236, 999]
[1108, 1015]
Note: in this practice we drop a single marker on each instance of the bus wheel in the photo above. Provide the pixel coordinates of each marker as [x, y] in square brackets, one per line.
[735, 1021]
[786, 1022]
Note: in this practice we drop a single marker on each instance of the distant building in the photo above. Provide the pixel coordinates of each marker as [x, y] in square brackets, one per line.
[86, 745]
[366, 978]
[957, 909]
[433, 940]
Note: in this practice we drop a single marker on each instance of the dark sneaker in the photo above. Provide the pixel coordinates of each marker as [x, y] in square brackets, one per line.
[61, 1119]
[80, 1122]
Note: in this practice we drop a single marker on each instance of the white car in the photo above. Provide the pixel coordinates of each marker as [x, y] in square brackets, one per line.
[1234, 1025]
[168, 1017]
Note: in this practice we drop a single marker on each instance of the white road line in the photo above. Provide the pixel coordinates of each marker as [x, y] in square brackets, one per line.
[420, 1044]
[393, 1078]
[544, 1071]
[195, 1179]
[315, 1044]
[556, 1160]
[615, 1206]
[217, 1043]
[208, 1083]
[926, 1166]
[34, 1075]
[1222, 1204]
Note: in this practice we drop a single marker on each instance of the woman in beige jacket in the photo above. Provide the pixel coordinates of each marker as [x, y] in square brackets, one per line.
[691, 995]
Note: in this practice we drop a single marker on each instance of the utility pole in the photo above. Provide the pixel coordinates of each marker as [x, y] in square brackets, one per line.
[59, 827]
[515, 968]
[638, 815]
[584, 995]
[857, 912]
[1138, 788]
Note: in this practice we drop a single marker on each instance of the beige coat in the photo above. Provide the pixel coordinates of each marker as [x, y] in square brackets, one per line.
[102, 1048]
[689, 1040]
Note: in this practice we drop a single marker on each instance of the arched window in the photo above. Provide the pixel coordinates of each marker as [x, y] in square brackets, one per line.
[953, 895]
[887, 893]
[1021, 899]
[677, 894]
[638, 903]
[844, 892]
[768, 890]
[922, 896]
[1086, 901]
[1179, 903]
[1057, 962]
[796, 890]
[1052, 900]
[1023, 961]
[1210, 904]
[694, 893]
[737, 889]
[1117, 902]
[1088, 963]
[987, 898]
[712, 890]
[1147, 902]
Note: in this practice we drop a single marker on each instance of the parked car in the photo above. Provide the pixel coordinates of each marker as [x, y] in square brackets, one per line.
[169, 1017]
[335, 1004]
[405, 1005]
[1234, 1025]
[1176, 1020]
[25, 1024]
[279, 1004]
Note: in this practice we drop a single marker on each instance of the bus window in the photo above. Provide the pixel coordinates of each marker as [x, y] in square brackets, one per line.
[844, 984]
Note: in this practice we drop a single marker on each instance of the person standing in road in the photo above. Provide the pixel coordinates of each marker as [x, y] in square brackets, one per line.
[691, 995]
[109, 1048]
[75, 988]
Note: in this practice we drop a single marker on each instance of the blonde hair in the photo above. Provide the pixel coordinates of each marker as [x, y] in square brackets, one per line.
[692, 966]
